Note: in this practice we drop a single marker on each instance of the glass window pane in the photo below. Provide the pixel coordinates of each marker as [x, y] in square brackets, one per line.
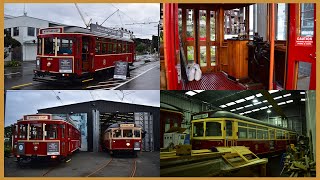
[190, 53]
[35, 131]
[51, 131]
[304, 73]
[180, 20]
[282, 14]
[213, 55]
[190, 24]
[307, 19]
[213, 129]
[212, 26]
[127, 133]
[229, 128]
[198, 129]
[242, 133]
[203, 56]
[202, 22]
[252, 134]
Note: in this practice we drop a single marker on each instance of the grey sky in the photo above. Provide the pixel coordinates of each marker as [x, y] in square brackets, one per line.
[66, 13]
[19, 103]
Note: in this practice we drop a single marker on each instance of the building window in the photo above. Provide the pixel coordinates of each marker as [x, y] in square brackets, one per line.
[282, 14]
[31, 31]
[16, 31]
[7, 32]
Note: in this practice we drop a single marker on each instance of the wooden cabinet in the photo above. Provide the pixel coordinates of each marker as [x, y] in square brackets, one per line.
[238, 59]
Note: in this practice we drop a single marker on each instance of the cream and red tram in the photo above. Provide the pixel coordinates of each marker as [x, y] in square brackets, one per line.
[123, 137]
[44, 137]
[222, 128]
[71, 53]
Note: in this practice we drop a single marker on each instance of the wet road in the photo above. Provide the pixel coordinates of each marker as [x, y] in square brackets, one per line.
[145, 74]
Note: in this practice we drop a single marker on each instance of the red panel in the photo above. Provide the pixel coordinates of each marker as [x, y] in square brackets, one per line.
[171, 116]
[120, 144]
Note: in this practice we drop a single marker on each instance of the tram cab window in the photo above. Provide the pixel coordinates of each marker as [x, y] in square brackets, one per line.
[198, 129]
[127, 133]
[39, 46]
[49, 45]
[213, 129]
[65, 46]
[23, 131]
[35, 131]
[117, 133]
[51, 131]
[229, 128]
[136, 133]
[242, 133]
[98, 48]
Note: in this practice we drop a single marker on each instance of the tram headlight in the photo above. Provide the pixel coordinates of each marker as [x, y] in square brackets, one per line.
[35, 148]
[128, 144]
[15, 146]
[49, 64]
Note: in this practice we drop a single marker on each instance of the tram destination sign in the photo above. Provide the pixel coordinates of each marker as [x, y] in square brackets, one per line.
[105, 30]
[51, 30]
[120, 70]
[200, 116]
[53, 148]
[39, 117]
[65, 65]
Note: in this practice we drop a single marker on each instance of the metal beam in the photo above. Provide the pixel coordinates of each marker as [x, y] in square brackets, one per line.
[274, 104]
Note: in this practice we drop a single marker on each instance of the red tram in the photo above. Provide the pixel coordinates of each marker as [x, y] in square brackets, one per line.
[123, 137]
[222, 128]
[44, 137]
[73, 53]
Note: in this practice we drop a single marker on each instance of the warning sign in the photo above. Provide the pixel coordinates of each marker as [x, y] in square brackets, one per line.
[304, 41]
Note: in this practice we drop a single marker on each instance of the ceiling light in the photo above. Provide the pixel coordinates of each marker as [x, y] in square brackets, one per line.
[290, 101]
[273, 91]
[255, 110]
[268, 111]
[269, 106]
[230, 103]
[259, 95]
[255, 101]
[233, 110]
[303, 99]
[265, 107]
[247, 112]
[198, 91]
[287, 95]
[191, 93]
[249, 97]
[223, 106]
[239, 108]
[240, 100]
[248, 105]
[279, 97]
[241, 113]
[282, 103]
[302, 92]
[264, 101]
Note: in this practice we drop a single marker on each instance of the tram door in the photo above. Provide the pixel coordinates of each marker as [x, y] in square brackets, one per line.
[302, 47]
[86, 54]
[197, 30]
[230, 130]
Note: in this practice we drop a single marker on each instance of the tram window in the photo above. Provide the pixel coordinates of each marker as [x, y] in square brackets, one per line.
[124, 45]
[213, 129]
[117, 133]
[265, 135]
[98, 48]
[259, 134]
[115, 46]
[272, 134]
[65, 46]
[51, 131]
[242, 124]
[202, 24]
[252, 134]
[307, 19]
[252, 126]
[104, 48]
[39, 46]
[23, 131]
[282, 15]
[279, 134]
[190, 23]
[136, 133]
[63, 129]
[127, 48]
[36, 131]
[242, 133]
[198, 129]
[119, 47]
[127, 133]
[49, 46]
[229, 128]
[110, 48]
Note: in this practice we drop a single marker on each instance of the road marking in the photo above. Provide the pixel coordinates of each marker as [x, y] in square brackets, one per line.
[15, 87]
[87, 80]
[101, 167]
[12, 73]
[133, 78]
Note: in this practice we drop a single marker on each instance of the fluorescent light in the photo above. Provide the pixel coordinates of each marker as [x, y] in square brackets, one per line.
[302, 92]
[198, 91]
[265, 107]
[259, 95]
[239, 108]
[273, 91]
[257, 103]
[282, 103]
[230, 103]
[303, 99]
[287, 95]
[290, 101]
[247, 112]
[223, 106]
[268, 111]
[249, 97]
[233, 110]
[264, 101]
[191, 93]
[269, 106]
[241, 113]
[240, 100]
[248, 105]
[279, 97]
[254, 110]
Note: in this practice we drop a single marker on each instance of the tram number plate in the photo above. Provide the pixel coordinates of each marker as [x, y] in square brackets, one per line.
[120, 70]
[53, 148]
[65, 65]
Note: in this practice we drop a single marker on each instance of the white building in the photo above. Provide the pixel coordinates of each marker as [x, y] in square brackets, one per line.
[25, 29]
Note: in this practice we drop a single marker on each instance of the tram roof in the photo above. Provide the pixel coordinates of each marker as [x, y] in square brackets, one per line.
[226, 114]
[77, 29]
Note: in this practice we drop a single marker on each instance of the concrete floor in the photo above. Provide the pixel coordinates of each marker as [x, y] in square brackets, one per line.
[89, 163]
